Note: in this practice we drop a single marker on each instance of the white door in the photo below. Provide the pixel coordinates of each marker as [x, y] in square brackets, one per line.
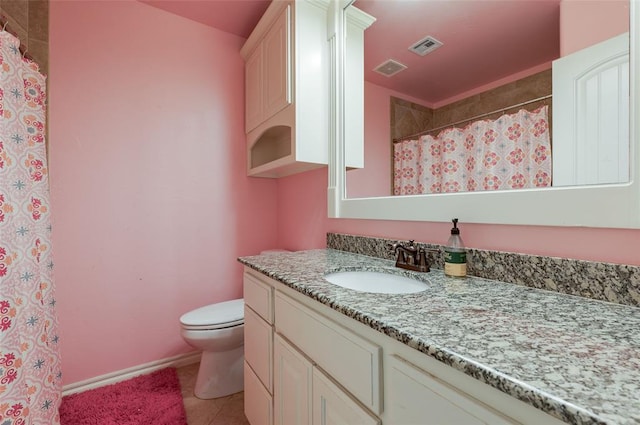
[591, 115]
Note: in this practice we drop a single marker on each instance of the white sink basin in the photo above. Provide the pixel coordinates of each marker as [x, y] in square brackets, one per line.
[382, 283]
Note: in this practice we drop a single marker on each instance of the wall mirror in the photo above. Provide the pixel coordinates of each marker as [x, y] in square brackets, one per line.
[368, 193]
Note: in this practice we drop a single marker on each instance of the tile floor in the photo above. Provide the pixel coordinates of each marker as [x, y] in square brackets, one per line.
[219, 411]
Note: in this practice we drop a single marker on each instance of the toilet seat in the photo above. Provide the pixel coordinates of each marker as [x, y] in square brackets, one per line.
[215, 316]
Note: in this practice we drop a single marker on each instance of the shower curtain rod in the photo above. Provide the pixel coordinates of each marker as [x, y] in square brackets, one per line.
[401, 139]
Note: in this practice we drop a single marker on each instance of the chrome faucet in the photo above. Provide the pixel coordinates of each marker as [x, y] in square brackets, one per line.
[411, 257]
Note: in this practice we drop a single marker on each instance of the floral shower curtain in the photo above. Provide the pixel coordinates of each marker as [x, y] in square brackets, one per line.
[512, 152]
[30, 370]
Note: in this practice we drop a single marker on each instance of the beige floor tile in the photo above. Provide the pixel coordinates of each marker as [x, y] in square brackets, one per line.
[232, 412]
[220, 411]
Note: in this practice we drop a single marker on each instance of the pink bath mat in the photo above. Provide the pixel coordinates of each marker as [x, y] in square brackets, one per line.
[148, 399]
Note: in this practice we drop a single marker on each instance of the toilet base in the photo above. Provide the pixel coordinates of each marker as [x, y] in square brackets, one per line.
[221, 373]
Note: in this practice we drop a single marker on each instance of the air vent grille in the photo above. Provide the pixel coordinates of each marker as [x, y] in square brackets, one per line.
[426, 45]
[389, 68]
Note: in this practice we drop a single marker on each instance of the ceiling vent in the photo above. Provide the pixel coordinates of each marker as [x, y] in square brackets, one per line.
[426, 45]
[389, 68]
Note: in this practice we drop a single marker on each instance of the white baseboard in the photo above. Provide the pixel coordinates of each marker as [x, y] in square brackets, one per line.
[124, 374]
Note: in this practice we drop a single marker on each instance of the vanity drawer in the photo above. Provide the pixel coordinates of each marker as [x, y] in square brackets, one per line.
[414, 394]
[258, 295]
[351, 360]
[258, 403]
[258, 347]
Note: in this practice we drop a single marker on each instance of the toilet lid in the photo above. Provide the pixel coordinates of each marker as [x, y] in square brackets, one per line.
[219, 315]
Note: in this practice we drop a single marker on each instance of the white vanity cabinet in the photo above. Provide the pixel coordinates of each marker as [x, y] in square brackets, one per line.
[287, 89]
[350, 359]
[315, 372]
[303, 394]
[327, 368]
[258, 350]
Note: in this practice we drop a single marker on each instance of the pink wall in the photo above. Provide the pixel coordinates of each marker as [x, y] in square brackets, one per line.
[582, 23]
[150, 196]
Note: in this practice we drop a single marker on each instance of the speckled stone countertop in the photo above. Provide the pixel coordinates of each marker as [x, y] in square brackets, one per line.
[574, 358]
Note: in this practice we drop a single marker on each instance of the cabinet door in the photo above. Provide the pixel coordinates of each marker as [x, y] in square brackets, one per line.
[292, 385]
[277, 65]
[332, 406]
[253, 90]
[414, 396]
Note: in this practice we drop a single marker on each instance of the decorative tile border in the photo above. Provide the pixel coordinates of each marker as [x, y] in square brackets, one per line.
[601, 281]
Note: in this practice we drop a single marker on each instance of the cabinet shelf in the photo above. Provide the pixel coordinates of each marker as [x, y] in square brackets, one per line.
[274, 144]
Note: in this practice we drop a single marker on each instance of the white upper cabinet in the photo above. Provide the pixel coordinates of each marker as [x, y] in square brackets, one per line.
[253, 90]
[267, 74]
[287, 90]
[277, 75]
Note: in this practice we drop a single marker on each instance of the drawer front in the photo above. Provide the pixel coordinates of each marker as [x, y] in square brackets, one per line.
[414, 395]
[258, 404]
[259, 296]
[351, 360]
[258, 347]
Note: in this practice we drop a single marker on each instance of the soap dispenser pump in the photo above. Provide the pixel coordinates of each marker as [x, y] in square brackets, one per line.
[455, 255]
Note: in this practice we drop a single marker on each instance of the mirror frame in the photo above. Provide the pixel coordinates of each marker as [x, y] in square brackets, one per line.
[612, 205]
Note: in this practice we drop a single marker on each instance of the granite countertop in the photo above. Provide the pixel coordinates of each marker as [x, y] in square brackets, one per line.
[574, 358]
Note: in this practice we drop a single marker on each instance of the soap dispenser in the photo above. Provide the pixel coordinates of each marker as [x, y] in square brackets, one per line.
[455, 256]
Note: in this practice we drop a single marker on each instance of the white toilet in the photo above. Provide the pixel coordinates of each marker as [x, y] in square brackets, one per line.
[217, 330]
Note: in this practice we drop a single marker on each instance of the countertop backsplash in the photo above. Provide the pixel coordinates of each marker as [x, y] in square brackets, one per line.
[615, 283]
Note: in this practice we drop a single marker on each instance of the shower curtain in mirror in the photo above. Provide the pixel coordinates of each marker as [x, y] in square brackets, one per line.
[511, 152]
[30, 370]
